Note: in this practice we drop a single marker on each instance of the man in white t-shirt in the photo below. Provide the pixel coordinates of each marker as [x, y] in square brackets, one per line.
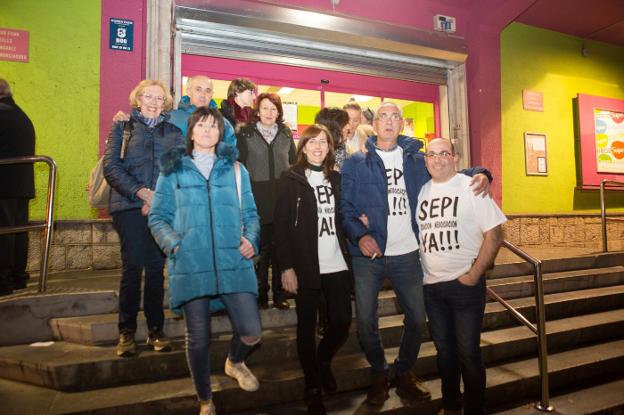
[381, 185]
[460, 235]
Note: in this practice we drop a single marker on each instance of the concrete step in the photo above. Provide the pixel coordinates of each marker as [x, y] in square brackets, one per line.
[69, 366]
[605, 398]
[102, 329]
[519, 267]
[524, 286]
[515, 380]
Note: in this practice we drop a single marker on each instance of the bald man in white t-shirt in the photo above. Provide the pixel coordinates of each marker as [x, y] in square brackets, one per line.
[460, 235]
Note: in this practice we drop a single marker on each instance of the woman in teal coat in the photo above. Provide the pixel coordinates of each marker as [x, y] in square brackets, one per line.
[204, 218]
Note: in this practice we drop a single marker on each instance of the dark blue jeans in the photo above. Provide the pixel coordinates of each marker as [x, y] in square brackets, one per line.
[244, 316]
[405, 273]
[455, 314]
[139, 252]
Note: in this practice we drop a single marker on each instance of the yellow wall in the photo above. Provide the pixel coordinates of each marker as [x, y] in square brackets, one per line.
[59, 90]
[551, 63]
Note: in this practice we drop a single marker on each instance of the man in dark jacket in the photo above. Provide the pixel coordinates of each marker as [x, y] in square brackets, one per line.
[17, 186]
[379, 195]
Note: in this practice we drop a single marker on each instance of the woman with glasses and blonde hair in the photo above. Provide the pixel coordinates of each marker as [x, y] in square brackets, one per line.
[131, 169]
[313, 258]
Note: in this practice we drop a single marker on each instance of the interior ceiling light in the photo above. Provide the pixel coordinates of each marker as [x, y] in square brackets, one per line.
[285, 90]
[362, 98]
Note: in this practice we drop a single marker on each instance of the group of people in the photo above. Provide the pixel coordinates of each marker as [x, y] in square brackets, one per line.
[211, 189]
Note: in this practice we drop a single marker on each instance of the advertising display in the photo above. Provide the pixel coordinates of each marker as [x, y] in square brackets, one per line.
[609, 141]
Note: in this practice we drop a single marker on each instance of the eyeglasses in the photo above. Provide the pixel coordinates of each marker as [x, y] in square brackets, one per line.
[384, 116]
[159, 99]
[434, 155]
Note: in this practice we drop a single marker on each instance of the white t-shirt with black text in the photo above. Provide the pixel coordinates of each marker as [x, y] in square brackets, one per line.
[401, 238]
[452, 221]
[330, 256]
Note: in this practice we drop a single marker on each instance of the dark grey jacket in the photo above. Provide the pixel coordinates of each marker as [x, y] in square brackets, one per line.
[265, 163]
[139, 168]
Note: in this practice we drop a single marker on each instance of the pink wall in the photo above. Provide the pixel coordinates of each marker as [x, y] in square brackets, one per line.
[120, 71]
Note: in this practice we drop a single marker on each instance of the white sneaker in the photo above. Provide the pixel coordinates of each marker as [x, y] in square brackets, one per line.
[239, 371]
[207, 409]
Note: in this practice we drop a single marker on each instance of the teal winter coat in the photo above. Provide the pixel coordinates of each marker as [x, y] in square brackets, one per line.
[203, 219]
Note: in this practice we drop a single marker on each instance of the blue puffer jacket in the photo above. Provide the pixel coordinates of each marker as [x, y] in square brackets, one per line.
[203, 219]
[180, 117]
[139, 168]
[365, 190]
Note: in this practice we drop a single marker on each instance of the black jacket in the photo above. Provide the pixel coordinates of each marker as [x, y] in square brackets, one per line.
[17, 139]
[265, 164]
[296, 226]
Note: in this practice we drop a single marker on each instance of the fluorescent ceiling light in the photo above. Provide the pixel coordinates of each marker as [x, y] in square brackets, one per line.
[362, 98]
[285, 90]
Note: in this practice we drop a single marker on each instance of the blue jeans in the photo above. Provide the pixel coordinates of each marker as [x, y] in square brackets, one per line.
[242, 309]
[405, 274]
[139, 252]
[455, 314]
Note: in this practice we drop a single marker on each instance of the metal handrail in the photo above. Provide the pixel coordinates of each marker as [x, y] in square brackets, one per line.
[46, 227]
[539, 329]
[603, 209]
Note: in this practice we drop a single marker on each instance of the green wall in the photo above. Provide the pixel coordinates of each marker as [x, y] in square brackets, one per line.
[422, 114]
[59, 89]
[551, 63]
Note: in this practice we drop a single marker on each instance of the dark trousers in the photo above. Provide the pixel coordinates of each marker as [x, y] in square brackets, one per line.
[336, 289]
[13, 247]
[455, 314]
[139, 251]
[268, 257]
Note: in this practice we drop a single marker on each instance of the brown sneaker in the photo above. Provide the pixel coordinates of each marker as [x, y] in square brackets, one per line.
[126, 347]
[378, 392]
[157, 340]
[408, 386]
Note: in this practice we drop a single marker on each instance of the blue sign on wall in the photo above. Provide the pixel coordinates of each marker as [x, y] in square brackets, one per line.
[121, 34]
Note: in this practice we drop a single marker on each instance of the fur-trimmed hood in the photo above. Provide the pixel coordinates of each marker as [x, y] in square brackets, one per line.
[171, 161]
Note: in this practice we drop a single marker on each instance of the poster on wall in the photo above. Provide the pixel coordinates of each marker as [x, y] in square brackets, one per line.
[609, 140]
[290, 114]
[13, 45]
[601, 139]
[121, 34]
[535, 154]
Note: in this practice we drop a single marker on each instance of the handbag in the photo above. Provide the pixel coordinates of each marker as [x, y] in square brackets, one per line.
[98, 189]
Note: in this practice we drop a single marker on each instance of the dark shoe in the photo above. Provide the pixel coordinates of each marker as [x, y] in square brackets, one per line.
[327, 379]
[378, 392]
[314, 400]
[157, 340]
[126, 346]
[408, 386]
[281, 303]
[263, 304]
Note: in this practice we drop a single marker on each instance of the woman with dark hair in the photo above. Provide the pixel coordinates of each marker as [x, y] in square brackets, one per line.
[337, 122]
[131, 169]
[313, 258]
[204, 218]
[267, 149]
[237, 107]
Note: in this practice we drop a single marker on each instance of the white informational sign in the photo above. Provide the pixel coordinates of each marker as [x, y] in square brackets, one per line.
[290, 114]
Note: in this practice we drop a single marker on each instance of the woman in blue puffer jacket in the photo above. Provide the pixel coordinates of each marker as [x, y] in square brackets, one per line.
[204, 218]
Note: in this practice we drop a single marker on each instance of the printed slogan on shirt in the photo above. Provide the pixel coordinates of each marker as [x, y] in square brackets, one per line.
[438, 218]
[396, 195]
[324, 195]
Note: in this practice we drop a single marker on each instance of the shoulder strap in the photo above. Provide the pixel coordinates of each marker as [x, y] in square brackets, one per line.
[125, 138]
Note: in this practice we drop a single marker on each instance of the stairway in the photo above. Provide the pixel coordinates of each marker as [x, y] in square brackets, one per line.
[79, 372]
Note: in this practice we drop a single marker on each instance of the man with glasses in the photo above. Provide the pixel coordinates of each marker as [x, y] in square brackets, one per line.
[379, 193]
[460, 235]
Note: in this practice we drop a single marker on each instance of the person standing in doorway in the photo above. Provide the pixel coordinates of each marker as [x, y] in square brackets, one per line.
[237, 108]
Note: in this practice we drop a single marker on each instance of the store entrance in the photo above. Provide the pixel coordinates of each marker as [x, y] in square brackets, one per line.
[304, 91]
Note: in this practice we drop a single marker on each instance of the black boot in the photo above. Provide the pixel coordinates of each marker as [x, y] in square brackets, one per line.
[327, 378]
[314, 400]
